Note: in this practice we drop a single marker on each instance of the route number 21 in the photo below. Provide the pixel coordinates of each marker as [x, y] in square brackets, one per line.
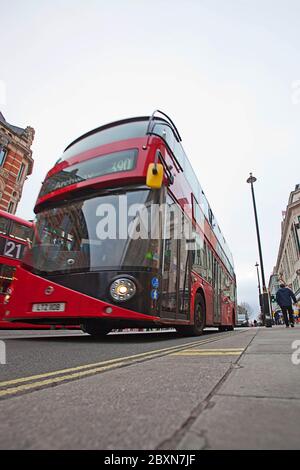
[12, 249]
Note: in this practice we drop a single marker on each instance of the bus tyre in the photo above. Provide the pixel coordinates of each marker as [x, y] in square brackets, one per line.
[199, 319]
[226, 327]
[95, 330]
[199, 316]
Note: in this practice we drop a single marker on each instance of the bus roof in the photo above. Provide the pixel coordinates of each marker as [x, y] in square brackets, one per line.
[109, 125]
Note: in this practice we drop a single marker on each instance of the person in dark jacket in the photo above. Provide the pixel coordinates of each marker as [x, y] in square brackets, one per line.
[285, 298]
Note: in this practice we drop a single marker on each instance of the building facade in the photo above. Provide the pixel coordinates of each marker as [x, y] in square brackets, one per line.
[16, 162]
[288, 260]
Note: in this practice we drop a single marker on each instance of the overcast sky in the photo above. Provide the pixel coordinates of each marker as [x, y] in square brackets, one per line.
[226, 71]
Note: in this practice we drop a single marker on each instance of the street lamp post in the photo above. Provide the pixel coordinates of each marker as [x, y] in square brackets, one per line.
[258, 280]
[264, 296]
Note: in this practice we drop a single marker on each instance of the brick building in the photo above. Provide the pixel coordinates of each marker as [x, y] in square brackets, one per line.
[16, 162]
[288, 260]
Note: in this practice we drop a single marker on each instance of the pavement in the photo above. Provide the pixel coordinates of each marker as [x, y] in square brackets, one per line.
[236, 390]
[257, 406]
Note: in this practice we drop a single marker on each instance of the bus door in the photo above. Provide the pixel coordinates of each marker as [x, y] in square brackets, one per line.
[169, 279]
[176, 268]
[176, 280]
[184, 279]
[217, 288]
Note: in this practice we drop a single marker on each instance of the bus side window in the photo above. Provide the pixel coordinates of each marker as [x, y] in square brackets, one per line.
[222, 279]
[204, 262]
[20, 232]
[209, 263]
[199, 261]
[196, 255]
[4, 225]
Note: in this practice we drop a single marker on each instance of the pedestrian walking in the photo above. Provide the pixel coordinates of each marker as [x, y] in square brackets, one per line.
[285, 298]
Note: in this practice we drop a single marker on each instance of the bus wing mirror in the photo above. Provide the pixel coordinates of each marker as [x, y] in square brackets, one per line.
[155, 174]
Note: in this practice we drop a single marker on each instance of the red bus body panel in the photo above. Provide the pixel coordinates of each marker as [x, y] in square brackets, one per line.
[78, 305]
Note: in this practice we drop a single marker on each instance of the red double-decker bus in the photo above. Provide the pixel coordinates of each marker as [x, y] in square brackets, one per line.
[126, 238]
[15, 235]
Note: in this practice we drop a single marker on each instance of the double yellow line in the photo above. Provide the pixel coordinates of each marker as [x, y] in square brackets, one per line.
[48, 379]
[210, 352]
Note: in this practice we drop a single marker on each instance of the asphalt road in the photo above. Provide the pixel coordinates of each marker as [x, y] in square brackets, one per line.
[35, 352]
[64, 390]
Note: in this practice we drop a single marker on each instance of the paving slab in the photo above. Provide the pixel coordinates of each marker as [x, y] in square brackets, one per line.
[246, 423]
[266, 374]
[257, 405]
[275, 340]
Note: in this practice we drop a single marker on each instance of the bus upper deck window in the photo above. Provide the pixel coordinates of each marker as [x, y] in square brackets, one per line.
[4, 225]
[20, 232]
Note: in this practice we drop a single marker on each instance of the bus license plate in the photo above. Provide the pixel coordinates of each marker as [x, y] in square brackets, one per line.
[53, 307]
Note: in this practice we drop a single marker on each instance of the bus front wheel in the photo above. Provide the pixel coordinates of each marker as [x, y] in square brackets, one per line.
[199, 319]
[226, 327]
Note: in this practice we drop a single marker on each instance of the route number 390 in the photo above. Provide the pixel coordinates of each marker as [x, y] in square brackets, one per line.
[122, 165]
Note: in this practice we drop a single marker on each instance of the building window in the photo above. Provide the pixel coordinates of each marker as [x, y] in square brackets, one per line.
[21, 172]
[3, 153]
[10, 208]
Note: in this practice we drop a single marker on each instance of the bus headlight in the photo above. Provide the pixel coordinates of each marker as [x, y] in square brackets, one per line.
[122, 289]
